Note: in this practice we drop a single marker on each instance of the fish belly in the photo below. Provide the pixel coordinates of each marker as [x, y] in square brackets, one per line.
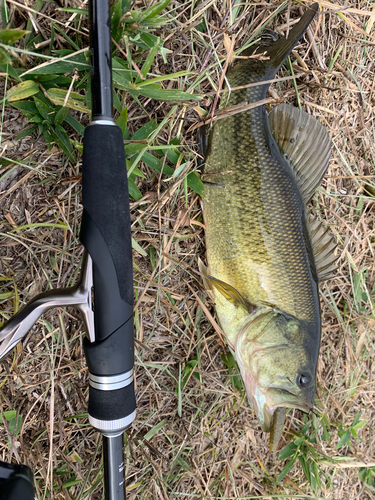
[253, 214]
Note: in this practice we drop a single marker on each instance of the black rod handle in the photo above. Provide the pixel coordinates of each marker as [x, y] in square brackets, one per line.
[106, 235]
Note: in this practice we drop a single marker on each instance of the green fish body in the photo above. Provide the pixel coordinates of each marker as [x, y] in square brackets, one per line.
[265, 253]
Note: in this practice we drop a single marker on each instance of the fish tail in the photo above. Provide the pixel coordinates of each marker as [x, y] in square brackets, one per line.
[275, 51]
[280, 49]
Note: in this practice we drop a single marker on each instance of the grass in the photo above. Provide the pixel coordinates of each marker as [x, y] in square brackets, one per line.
[195, 435]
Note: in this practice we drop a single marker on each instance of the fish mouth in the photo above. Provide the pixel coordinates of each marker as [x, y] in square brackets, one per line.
[266, 401]
[267, 411]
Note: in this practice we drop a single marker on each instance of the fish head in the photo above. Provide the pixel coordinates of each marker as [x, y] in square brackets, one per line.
[276, 365]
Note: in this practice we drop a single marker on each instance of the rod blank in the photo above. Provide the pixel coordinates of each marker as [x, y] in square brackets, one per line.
[114, 467]
[101, 60]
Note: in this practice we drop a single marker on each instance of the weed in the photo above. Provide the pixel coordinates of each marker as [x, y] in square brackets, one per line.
[302, 449]
[367, 474]
[347, 432]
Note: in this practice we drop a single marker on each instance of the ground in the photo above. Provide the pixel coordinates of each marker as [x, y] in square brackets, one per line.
[195, 435]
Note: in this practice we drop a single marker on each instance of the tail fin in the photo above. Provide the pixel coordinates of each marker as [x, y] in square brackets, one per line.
[280, 49]
[244, 71]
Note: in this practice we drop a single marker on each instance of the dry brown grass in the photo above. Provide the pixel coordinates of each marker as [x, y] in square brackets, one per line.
[204, 441]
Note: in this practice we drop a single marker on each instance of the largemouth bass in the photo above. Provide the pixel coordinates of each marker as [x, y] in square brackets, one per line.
[266, 253]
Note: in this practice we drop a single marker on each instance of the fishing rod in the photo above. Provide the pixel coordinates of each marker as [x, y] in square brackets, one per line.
[104, 293]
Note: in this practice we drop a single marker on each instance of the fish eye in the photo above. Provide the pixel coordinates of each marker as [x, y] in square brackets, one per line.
[304, 380]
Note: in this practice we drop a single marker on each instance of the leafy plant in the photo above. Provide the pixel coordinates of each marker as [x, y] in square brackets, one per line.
[164, 159]
[47, 105]
[12, 293]
[9, 37]
[47, 119]
[346, 432]
[367, 474]
[186, 374]
[302, 449]
[183, 377]
[359, 282]
[64, 470]
[233, 371]
[14, 422]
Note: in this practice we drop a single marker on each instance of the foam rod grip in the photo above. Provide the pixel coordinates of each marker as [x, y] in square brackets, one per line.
[115, 408]
[105, 229]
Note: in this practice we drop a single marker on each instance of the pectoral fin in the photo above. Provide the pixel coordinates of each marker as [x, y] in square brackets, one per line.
[226, 290]
[229, 292]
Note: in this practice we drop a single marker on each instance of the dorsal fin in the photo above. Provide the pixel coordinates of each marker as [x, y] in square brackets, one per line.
[304, 143]
[323, 247]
